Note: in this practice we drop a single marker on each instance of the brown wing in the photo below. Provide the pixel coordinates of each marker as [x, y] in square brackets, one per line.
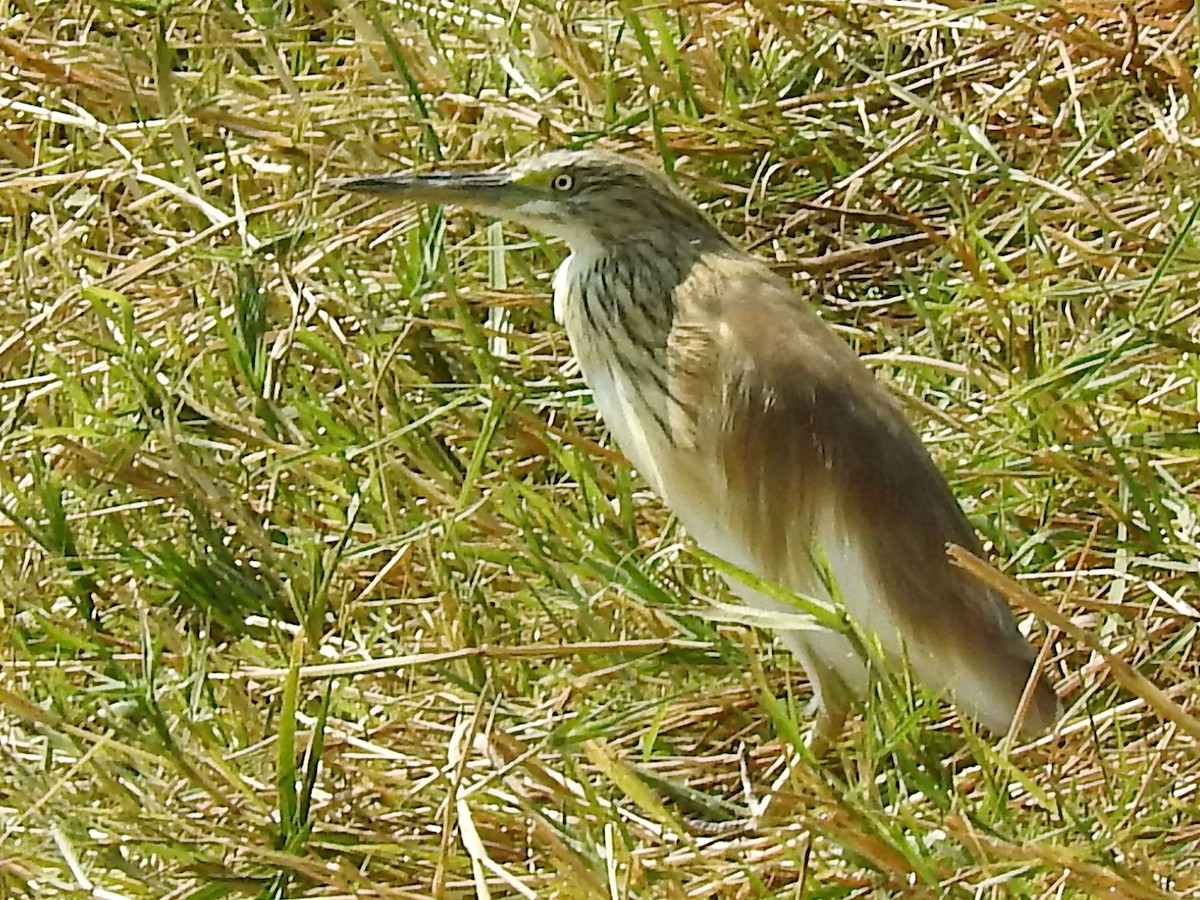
[813, 450]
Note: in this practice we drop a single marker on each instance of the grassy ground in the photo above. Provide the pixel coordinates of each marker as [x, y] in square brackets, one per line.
[318, 576]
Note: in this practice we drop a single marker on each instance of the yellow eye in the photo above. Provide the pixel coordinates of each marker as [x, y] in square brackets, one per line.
[562, 182]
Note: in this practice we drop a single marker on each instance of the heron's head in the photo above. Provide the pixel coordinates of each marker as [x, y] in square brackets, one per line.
[590, 198]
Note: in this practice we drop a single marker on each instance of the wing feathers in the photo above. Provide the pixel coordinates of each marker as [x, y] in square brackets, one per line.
[816, 457]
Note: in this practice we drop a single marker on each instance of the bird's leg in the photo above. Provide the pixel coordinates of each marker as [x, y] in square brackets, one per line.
[831, 695]
[827, 728]
[834, 668]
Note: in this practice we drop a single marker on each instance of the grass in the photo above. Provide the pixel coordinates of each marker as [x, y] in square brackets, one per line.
[318, 576]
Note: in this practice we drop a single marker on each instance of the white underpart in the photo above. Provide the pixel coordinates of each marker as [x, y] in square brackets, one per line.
[611, 389]
[833, 650]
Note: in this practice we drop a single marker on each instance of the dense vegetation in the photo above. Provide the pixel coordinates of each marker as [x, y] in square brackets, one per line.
[318, 576]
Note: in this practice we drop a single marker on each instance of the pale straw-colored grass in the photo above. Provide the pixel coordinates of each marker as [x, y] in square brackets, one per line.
[318, 577]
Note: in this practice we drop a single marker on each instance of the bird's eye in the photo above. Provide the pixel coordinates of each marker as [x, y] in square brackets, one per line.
[562, 182]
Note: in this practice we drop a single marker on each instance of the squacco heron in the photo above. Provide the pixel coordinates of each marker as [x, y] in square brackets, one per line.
[761, 429]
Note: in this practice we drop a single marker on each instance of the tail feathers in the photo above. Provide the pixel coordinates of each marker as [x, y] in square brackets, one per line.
[958, 636]
[988, 675]
[986, 672]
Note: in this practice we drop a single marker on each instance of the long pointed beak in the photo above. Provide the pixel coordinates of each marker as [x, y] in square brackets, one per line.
[486, 190]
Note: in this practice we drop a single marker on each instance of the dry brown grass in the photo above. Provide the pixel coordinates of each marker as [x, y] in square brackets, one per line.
[317, 576]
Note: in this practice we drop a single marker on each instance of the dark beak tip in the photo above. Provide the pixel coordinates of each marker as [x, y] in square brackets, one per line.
[359, 185]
